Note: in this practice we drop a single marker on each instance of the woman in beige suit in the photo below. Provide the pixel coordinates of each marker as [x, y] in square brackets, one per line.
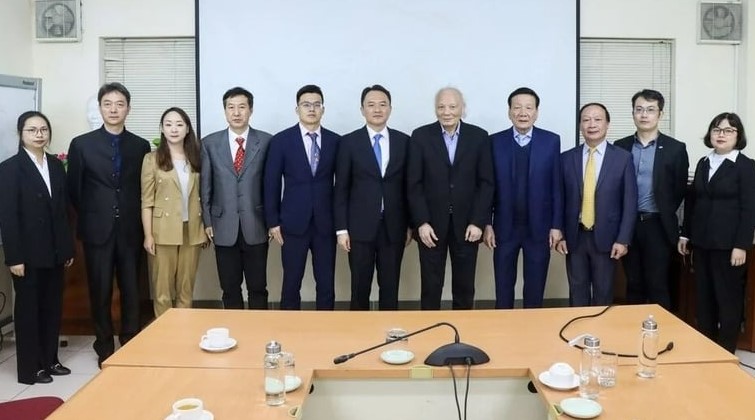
[171, 211]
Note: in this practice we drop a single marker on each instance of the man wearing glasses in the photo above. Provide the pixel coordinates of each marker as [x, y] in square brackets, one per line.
[302, 158]
[661, 165]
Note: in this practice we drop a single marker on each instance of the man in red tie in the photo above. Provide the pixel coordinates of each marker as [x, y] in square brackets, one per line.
[231, 190]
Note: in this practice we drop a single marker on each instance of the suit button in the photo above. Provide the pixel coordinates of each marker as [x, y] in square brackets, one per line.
[167, 214]
[166, 198]
[451, 186]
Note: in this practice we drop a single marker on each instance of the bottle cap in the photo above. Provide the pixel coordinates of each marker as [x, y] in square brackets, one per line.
[592, 342]
[650, 324]
[273, 347]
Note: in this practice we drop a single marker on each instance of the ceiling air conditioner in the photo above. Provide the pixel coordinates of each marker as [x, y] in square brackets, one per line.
[720, 22]
[58, 20]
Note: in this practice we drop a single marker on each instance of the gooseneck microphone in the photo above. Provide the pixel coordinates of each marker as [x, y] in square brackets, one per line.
[456, 353]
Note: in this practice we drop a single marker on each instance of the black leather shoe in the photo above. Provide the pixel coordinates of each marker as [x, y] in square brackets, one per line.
[58, 370]
[42, 377]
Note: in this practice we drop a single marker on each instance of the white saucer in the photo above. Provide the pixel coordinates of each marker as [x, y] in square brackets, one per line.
[397, 357]
[581, 408]
[545, 378]
[292, 383]
[231, 343]
[206, 415]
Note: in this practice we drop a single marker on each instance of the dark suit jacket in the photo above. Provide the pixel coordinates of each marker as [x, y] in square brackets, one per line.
[93, 190]
[615, 197]
[670, 172]
[307, 199]
[544, 194]
[360, 186]
[720, 213]
[434, 185]
[34, 225]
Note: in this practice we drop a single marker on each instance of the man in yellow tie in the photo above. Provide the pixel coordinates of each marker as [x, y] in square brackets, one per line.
[600, 209]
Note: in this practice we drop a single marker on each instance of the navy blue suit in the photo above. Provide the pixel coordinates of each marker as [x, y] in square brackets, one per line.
[305, 213]
[588, 263]
[544, 204]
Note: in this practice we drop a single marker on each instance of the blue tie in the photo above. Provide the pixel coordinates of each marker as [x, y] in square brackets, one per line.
[378, 152]
[314, 155]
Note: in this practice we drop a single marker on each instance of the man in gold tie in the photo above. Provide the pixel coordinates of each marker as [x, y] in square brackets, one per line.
[600, 209]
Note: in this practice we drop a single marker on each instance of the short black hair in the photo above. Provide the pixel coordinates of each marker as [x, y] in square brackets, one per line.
[598, 104]
[113, 87]
[239, 91]
[524, 91]
[22, 122]
[650, 95]
[378, 88]
[735, 122]
[309, 89]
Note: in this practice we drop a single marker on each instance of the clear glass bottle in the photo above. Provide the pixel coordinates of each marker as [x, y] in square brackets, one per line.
[589, 369]
[647, 360]
[275, 389]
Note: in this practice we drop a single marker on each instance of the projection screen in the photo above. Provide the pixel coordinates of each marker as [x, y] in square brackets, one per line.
[486, 48]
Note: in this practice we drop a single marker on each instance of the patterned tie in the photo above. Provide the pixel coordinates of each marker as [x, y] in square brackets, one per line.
[314, 155]
[378, 152]
[588, 191]
[238, 161]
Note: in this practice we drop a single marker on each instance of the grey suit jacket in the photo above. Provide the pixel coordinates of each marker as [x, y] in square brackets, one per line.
[230, 200]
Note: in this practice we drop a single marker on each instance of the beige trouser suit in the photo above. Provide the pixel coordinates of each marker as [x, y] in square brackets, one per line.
[177, 242]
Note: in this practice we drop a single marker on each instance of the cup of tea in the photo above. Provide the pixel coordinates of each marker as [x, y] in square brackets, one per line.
[398, 338]
[188, 409]
[216, 337]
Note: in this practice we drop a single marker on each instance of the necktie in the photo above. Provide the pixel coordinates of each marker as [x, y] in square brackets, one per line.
[314, 155]
[238, 161]
[588, 191]
[378, 152]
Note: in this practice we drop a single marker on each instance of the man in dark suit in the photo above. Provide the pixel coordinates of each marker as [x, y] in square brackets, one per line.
[231, 191]
[303, 158]
[370, 201]
[450, 190]
[661, 164]
[600, 209]
[104, 175]
[528, 203]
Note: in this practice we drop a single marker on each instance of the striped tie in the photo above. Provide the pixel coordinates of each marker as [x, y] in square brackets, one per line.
[314, 155]
[588, 191]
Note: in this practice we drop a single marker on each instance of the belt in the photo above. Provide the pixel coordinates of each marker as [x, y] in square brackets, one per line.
[642, 216]
[585, 228]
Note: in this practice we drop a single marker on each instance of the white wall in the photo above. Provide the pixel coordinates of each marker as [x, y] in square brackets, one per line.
[706, 77]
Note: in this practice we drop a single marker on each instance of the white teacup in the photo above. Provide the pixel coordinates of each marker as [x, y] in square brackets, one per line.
[561, 374]
[216, 337]
[188, 409]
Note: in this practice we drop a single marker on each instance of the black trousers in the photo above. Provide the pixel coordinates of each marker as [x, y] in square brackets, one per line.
[239, 262]
[37, 313]
[103, 261]
[432, 263]
[720, 296]
[590, 272]
[646, 265]
[366, 257]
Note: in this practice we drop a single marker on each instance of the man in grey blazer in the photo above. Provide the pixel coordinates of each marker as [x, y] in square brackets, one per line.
[231, 192]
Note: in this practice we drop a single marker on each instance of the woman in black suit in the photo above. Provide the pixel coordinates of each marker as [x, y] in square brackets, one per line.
[718, 226]
[38, 243]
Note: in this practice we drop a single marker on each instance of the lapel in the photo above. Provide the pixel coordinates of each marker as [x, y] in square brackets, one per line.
[462, 147]
[577, 165]
[252, 148]
[366, 152]
[437, 143]
[507, 152]
[394, 152]
[224, 150]
[721, 172]
[604, 168]
[660, 155]
[32, 173]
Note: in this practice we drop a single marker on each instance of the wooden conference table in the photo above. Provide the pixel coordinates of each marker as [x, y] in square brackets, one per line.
[164, 362]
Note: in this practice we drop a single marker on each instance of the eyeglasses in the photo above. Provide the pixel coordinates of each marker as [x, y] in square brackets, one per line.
[649, 110]
[728, 131]
[36, 131]
[311, 105]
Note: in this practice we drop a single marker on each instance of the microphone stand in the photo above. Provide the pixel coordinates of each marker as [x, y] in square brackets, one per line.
[456, 353]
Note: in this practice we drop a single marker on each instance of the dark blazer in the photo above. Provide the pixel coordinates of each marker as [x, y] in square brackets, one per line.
[307, 199]
[34, 225]
[615, 197]
[544, 194]
[434, 185]
[93, 190]
[720, 213]
[360, 186]
[670, 173]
